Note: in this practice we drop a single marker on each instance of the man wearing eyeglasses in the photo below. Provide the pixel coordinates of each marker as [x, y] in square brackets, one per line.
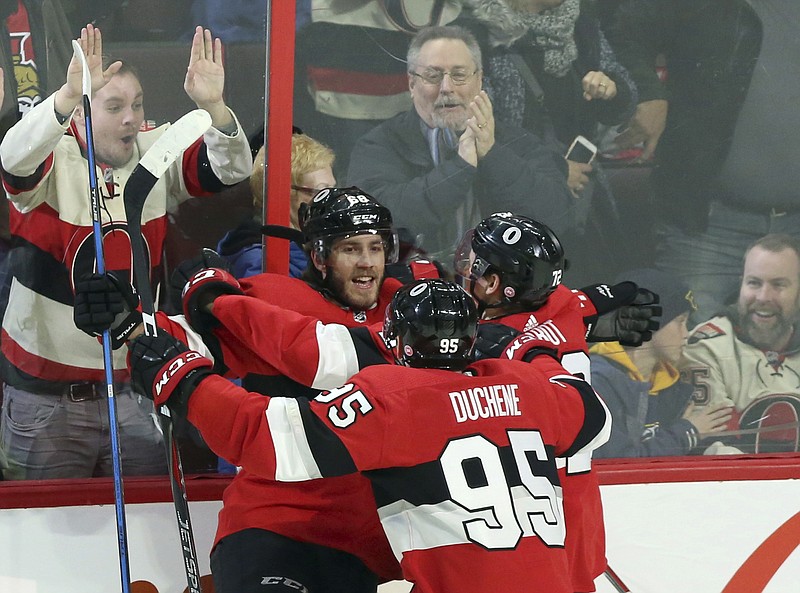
[446, 164]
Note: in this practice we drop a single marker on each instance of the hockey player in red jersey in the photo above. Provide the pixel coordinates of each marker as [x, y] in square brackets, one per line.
[513, 266]
[304, 535]
[256, 337]
[461, 463]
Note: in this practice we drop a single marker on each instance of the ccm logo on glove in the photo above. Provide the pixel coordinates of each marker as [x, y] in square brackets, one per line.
[176, 369]
[202, 276]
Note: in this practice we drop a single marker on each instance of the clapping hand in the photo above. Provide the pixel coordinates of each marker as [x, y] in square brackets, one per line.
[478, 138]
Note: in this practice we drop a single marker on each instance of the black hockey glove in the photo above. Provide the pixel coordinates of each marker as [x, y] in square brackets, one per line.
[165, 370]
[631, 324]
[105, 302]
[202, 288]
[208, 258]
[610, 297]
[492, 339]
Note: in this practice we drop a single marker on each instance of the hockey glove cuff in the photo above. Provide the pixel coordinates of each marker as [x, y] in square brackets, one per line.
[165, 370]
[607, 298]
[106, 302]
[631, 324]
[208, 258]
[201, 290]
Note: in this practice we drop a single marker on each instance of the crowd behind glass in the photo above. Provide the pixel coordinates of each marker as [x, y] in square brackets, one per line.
[691, 193]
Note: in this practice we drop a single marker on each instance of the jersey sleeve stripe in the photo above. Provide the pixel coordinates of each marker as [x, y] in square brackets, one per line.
[596, 428]
[294, 461]
[14, 184]
[338, 360]
[330, 453]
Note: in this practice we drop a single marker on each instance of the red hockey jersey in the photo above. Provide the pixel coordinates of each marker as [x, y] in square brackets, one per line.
[561, 324]
[462, 465]
[315, 354]
[320, 512]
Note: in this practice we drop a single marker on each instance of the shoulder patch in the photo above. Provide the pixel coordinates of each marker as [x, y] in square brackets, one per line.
[705, 332]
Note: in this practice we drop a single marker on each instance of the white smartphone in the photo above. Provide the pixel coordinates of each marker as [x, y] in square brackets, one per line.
[581, 151]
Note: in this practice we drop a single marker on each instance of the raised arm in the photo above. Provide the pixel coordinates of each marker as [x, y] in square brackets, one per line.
[32, 140]
[205, 78]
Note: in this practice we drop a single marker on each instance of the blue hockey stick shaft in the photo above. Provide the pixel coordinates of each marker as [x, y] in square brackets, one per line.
[108, 365]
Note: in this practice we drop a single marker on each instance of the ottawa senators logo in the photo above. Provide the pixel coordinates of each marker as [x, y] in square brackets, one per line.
[775, 422]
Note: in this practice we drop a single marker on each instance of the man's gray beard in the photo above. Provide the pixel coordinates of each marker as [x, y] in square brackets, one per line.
[447, 123]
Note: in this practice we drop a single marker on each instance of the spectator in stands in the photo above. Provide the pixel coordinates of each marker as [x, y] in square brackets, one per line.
[350, 74]
[36, 42]
[649, 403]
[748, 357]
[36, 49]
[55, 422]
[549, 69]
[726, 164]
[312, 170]
[444, 165]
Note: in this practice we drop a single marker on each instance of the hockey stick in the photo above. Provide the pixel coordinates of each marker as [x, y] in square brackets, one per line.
[165, 151]
[615, 581]
[743, 431]
[108, 365]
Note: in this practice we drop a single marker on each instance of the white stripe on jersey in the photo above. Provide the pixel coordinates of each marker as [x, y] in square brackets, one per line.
[410, 527]
[337, 356]
[581, 461]
[293, 459]
[193, 339]
[38, 321]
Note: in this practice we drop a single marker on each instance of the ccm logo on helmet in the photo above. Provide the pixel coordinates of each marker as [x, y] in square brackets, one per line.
[175, 366]
[365, 218]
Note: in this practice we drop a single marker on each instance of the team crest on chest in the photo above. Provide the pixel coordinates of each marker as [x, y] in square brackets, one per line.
[773, 367]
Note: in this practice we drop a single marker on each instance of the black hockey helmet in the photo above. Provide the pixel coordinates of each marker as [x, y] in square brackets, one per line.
[431, 323]
[341, 212]
[525, 253]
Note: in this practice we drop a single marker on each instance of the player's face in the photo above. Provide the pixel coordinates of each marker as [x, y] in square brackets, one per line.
[444, 105]
[769, 296]
[668, 341]
[356, 265]
[117, 115]
[310, 182]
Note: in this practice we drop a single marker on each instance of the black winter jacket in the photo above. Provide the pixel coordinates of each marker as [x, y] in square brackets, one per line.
[711, 49]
